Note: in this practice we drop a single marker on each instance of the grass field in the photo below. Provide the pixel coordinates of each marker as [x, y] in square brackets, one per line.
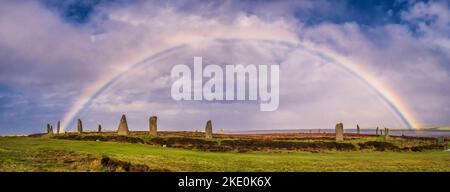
[44, 154]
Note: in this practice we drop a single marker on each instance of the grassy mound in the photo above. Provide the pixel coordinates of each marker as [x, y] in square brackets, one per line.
[252, 144]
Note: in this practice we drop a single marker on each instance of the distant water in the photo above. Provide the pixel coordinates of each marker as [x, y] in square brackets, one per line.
[417, 133]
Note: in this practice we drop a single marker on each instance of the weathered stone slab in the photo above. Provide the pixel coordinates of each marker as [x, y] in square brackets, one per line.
[153, 126]
[49, 129]
[386, 133]
[58, 127]
[208, 129]
[339, 129]
[79, 126]
[123, 126]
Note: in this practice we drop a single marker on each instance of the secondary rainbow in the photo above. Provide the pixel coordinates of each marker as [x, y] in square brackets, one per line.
[382, 90]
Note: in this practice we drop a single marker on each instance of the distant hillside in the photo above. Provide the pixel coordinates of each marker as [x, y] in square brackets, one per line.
[446, 128]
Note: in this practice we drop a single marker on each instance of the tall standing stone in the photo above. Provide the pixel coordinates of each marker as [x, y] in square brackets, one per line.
[48, 128]
[123, 126]
[99, 129]
[79, 126]
[208, 130]
[376, 131]
[339, 132]
[357, 129]
[386, 132]
[153, 126]
[58, 127]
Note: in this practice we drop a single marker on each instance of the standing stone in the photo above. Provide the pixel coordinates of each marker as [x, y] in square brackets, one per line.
[386, 132]
[49, 129]
[79, 126]
[99, 128]
[208, 130]
[123, 126]
[153, 126]
[339, 132]
[357, 129]
[376, 132]
[58, 127]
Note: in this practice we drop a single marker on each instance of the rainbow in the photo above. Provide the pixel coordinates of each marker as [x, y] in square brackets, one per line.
[383, 91]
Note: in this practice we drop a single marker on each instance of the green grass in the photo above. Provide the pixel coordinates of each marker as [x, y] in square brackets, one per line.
[400, 142]
[43, 154]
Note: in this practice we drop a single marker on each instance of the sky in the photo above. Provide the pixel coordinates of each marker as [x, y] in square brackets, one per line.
[371, 63]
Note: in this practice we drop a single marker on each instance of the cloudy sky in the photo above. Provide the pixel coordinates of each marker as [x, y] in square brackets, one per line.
[356, 62]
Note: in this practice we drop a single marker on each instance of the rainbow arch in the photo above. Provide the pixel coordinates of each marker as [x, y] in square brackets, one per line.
[381, 90]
